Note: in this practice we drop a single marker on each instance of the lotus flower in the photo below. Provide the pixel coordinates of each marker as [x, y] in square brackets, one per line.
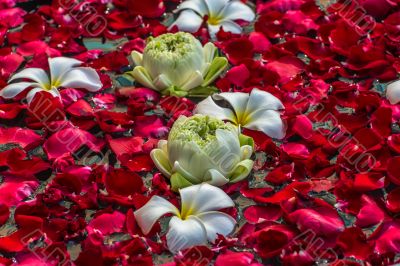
[64, 72]
[177, 64]
[198, 220]
[203, 149]
[219, 13]
[257, 111]
[393, 92]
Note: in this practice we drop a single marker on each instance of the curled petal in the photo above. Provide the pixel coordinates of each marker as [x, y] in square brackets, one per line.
[156, 207]
[141, 75]
[203, 198]
[82, 77]
[183, 234]
[14, 89]
[215, 178]
[188, 21]
[160, 159]
[217, 223]
[393, 92]
[242, 170]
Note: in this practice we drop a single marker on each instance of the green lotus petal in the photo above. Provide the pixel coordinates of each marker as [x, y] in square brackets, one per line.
[174, 91]
[202, 91]
[242, 170]
[161, 161]
[218, 65]
[178, 181]
[141, 75]
[246, 140]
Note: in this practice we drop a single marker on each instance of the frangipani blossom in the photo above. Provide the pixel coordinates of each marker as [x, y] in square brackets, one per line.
[203, 149]
[64, 72]
[393, 92]
[258, 110]
[219, 13]
[177, 64]
[197, 222]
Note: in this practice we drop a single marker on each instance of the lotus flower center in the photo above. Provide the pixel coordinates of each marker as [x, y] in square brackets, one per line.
[172, 46]
[199, 128]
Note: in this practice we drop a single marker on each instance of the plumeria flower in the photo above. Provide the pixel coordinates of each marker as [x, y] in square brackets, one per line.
[196, 222]
[64, 72]
[177, 64]
[393, 92]
[257, 111]
[203, 149]
[219, 13]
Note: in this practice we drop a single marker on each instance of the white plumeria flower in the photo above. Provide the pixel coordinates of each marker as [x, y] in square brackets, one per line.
[257, 111]
[220, 13]
[393, 92]
[198, 220]
[64, 72]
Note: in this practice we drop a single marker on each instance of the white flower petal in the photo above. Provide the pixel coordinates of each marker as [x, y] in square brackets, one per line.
[198, 6]
[60, 66]
[215, 178]
[215, 6]
[237, 10]
[183, 234]
[55, 92]
[267, 121]
[209, 107]
[14, 89]
[156, 207]
[231, 26]
[36, 74]
[262, 100]
[31, 94]
[83, 78]
[203, 198]
[393, 92]
[188, 21]
[217, 222]
[238, 101]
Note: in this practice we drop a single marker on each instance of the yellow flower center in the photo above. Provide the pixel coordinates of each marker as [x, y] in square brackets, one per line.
[214, 20]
